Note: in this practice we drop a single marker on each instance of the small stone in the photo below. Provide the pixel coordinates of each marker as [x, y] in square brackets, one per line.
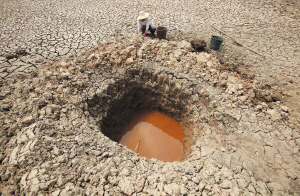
[62, 159]
[243, 98]
[258, 108]
[129, 61]
[43, 186]
[222, 149]
[276, 96]
[51, 183]
[240, 86]
[223, 83]
[24, 138]
[195, 97]
[28, 119]
[285, 108]
[48, 96]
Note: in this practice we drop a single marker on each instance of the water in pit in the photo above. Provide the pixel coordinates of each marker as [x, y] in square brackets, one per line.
[153, 135]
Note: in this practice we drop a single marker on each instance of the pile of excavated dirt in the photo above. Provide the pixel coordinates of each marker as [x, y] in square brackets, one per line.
[58, 125]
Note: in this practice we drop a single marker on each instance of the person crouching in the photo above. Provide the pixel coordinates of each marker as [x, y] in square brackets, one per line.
[143, 22]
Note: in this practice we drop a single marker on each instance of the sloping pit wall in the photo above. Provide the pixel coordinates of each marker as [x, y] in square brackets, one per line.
[143, 90]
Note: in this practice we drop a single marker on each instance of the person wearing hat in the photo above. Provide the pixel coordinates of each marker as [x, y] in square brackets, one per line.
[143, 22]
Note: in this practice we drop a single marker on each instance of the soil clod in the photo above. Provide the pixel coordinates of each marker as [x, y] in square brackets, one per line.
[199, 45]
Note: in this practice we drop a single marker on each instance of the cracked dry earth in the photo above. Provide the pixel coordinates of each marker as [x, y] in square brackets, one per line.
[63, 102]
[60, 120]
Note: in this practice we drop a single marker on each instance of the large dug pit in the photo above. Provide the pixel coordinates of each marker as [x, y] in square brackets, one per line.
[142, 93]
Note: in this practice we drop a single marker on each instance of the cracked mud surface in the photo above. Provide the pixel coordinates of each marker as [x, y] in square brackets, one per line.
[54, 140]
[240, 110]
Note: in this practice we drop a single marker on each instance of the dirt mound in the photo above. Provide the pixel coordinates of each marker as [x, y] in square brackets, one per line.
[199, 45]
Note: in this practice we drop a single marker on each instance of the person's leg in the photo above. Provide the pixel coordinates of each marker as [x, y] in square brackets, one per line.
[152, 29]
[143, 29]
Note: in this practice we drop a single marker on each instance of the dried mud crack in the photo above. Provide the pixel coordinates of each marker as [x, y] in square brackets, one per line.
[58, 125]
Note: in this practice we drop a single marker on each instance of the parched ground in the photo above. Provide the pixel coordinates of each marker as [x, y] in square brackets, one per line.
[68, 69]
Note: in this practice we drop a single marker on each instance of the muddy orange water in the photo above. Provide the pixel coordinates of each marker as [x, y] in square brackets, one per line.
[153, 135]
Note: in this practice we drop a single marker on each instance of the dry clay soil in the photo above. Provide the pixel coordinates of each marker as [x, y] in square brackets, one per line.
[240, 110]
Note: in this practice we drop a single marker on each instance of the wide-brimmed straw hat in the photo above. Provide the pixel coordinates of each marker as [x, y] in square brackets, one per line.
[143, 15]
